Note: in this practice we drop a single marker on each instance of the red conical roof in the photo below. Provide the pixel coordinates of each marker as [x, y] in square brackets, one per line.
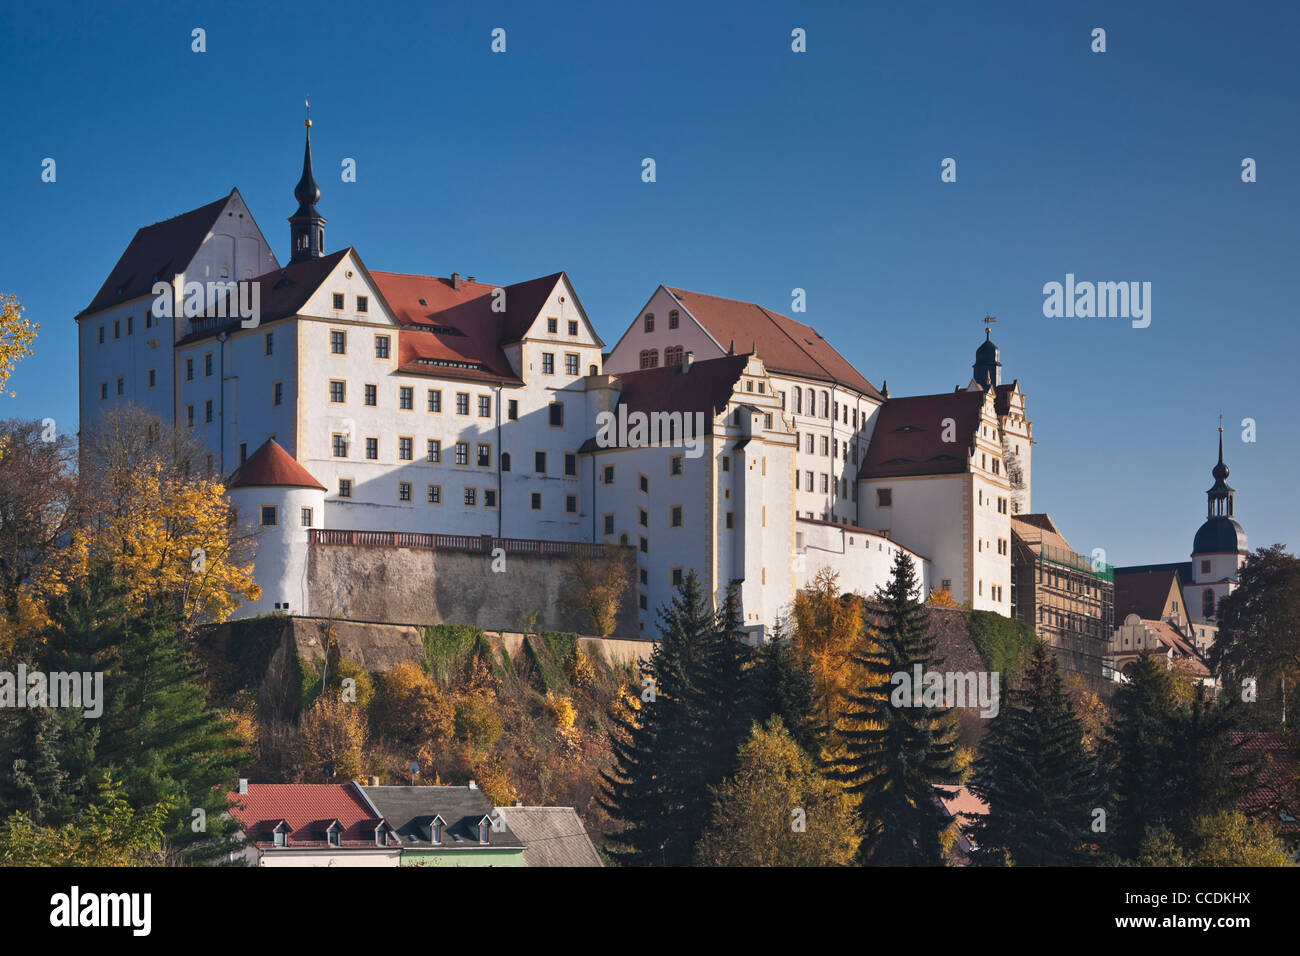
[271, 466]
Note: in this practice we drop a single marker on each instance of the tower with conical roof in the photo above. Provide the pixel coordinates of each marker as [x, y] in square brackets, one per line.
[1219, 549]
[988, 365]
[307, 226]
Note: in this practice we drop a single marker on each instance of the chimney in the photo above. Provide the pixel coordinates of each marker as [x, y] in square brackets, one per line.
[687, 362]
[469, 278]
[374, 781]
[243, 785]
[455, 281]
[473, 785]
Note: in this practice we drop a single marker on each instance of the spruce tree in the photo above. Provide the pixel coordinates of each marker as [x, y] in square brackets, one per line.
[1033, 772]
[894, 756]
[785, 689]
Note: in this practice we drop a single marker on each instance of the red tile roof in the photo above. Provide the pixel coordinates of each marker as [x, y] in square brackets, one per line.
[908, 438]
[786, 346]
[271, 467]
[707, 387]
[155, 254]
[1172, 638]
[307, 808]
[1278, 784]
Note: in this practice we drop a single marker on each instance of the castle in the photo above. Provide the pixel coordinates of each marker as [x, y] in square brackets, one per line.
[359, 400]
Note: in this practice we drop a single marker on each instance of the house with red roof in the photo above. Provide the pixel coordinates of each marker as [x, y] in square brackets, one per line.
[312, 824]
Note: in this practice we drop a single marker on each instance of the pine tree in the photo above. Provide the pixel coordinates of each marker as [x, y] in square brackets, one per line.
[785, 689]
[894, 756]
[655, 771]
[1032, 771]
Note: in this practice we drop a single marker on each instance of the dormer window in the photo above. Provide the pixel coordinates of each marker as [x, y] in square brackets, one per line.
[484, 830]
[334, 835]
[435, 829]
[381, 834]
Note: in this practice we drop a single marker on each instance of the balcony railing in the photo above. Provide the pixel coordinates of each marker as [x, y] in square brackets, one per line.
[485, 543]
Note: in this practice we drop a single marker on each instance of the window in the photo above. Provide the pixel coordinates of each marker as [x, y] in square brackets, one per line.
[433, 451]
[403, 491]
[335, 834]
[808, 481]
[649, 321]
[731, 520]
[1002, 506]
[189, 415]
[277, 393]
[512, 410]
[548, 363]
[675, 465]
[207, 365]
[608, 524]
[826, 404]
[826, 450]
[189, 370]
[130, 324]
[101, 335]
[483, 830]
[363, 305]
[539, 462]
[270, 343]
[555, 411]
[535, 501]
[643, 602]
[673, 355]
[643, 517]
[884, 497]
[372, 395]
[552, 325]
[645, 484]
[338, 340]
[571, 504]
[483, 457]
[121, 387]
[462, 453]
[570, 364]
[570, 464]
[1207, 603]
[573, 327]
[340, 443]
[434, 495]
[435, 400]
[767, 420]
[644, 576]
[471, 497]
[726, 463]
[825, 483]
[945, 584]
[406, 398]
[305, 517]
[406, 449]
[643, 543]
[649, 358]
[345, 487]
[279, 837]
[268, 516]
[462, 403]
[207, 406]
[243, 452]
[675, 516]
[338, 390]
[1205, 567]
[505, 461]
[672, 319]
[381, 342]
[485, 406]
[153, 378]
[117, 328]
[677, 577]
[798, 400]
[812, 443]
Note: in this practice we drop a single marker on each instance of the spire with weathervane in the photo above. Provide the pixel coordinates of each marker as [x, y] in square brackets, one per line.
[988, 366]
[1220, 496]
[307, 226]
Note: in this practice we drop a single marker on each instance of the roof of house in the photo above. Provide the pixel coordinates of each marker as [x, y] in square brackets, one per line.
[1002, 396]
[908, 438]
[707, 387]
[1184, 569]
[1144, 593]
[411, 810]
[1037, 530]
[1278, 784]
[155, 254]
[307, 809]
[1169, 636]
[787, 347]
[552, 836]
[272, 467]
[281, 293]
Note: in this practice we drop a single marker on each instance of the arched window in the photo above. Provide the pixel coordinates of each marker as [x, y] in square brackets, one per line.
[505, 461]
[649, 358]
[826, 405]
[591, 370]
[673, 355]
[798, 400]
[1207, 603]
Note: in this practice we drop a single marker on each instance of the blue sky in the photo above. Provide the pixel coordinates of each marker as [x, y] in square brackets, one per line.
[775, 170]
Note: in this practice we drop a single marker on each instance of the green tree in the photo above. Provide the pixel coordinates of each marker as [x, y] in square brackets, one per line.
[894, 756]
[777, 810]
[1033, 772]
[786, 689]
[1225, 838]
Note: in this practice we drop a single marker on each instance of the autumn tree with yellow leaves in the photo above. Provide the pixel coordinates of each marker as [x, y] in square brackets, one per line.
[827, 633]
[16, 336]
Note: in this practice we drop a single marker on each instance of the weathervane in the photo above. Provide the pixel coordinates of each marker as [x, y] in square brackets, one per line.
[307, 102]
[988, 322]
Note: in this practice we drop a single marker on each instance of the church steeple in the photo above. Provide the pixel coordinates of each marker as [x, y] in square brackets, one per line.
[988, 366]
[307, 226]
[1219, 503]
